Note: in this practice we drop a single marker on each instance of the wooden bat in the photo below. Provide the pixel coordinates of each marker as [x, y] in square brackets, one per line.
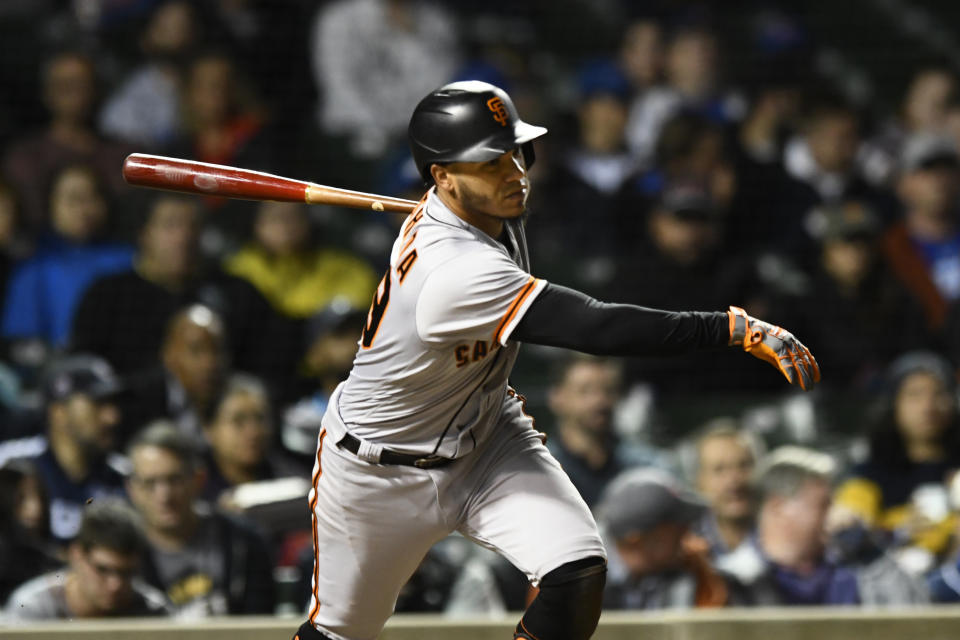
[189, 176]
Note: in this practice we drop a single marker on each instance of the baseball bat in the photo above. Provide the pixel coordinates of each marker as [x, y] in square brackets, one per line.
[190, 176]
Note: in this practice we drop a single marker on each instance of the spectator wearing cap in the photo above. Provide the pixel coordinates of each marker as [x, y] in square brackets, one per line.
[570, 244]
[724, 458]
[293, 273]
[74, 459]
[123, 317]
[46, 288]
[924, 248]
[185, 386]
[206, 562]
[682, 248]
[582, 399]
[100, 578]
[654, 561]
[900, 489]
[788, 561]
[330, 343]
[852, 286]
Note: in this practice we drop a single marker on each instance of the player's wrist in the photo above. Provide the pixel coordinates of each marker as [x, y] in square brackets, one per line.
[739, 323]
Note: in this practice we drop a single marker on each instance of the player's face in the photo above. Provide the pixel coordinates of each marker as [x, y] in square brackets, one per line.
[496, 189]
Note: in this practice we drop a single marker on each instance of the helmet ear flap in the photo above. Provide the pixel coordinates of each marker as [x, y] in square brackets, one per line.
[528, 154]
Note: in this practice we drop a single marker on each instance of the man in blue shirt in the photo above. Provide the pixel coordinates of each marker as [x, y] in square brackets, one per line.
[74, 460]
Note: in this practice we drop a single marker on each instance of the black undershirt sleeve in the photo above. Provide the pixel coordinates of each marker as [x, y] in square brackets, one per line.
[562, 317]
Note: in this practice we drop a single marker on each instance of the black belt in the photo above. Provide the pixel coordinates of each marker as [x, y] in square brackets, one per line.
[387, 456]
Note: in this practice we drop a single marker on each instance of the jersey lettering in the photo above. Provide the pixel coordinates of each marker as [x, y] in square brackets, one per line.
[462, 354]
[479, 350]
[405, 263]
[378, 307]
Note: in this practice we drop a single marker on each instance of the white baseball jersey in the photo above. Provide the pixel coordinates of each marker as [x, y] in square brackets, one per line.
[430, 375]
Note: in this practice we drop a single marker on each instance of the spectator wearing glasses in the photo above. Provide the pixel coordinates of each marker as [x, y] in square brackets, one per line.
[100, 578]
[207, 563]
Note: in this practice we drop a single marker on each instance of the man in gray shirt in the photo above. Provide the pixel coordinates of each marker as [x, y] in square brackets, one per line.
[100, 579]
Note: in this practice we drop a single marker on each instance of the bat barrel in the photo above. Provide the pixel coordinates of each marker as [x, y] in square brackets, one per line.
[171, 174]
[190, 176]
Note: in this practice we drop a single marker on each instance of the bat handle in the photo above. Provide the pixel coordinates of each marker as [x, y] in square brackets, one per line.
[318, 194]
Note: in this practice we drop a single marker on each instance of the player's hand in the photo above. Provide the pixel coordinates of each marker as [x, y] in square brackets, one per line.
[775, 345]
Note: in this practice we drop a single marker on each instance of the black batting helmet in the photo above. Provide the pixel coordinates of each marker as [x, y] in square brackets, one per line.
[469, 121]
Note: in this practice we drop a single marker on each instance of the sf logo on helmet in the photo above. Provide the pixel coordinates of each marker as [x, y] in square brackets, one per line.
[500, 114]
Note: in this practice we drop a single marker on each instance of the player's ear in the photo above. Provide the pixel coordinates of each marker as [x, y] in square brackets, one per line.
[441, 177]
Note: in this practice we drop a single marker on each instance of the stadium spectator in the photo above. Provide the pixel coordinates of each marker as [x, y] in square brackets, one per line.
[239, 434]
[821, 164]
[329, 347]
[206, 562]
[924, 247]
[100, 578]
[372, 62]
[184, 387]
[145, 108]
[853, 286]
[925, 108]
[12, 246]
[74, 460]
[901, 487]
[724, 461]
[641, 54]
[791, 563]
[221, 123]
[123, 317]
[589, 177]
[45, 289]
[653, 560]
[24, 530]
[582, 400]
[69, 86]
[296, 276]
[691, 65]
[683, 249]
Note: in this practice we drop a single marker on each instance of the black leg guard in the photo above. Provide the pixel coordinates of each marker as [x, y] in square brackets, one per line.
[309, 632]
[568, 605]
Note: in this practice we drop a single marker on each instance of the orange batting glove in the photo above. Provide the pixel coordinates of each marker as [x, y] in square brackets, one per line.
[775, 345]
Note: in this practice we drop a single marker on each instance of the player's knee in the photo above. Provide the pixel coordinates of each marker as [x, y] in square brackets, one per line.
[568, 605]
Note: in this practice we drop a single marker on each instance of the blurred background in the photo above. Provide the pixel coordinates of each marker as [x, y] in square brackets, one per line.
[169, 357]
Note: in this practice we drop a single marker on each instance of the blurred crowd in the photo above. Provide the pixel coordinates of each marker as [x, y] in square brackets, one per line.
[165, 359]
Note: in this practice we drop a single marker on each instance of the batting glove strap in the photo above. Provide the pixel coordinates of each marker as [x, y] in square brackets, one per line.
[775, 345]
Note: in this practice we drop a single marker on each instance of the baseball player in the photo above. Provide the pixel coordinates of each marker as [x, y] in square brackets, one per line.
[426, 437]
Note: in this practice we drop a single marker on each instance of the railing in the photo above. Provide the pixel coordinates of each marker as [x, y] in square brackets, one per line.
[934, 623]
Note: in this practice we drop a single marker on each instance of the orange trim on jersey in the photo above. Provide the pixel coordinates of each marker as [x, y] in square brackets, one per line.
[514, 307]
[313, 519]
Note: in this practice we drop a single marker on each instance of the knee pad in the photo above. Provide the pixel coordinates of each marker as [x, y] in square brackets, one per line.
[568, 605]
[309, 632]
